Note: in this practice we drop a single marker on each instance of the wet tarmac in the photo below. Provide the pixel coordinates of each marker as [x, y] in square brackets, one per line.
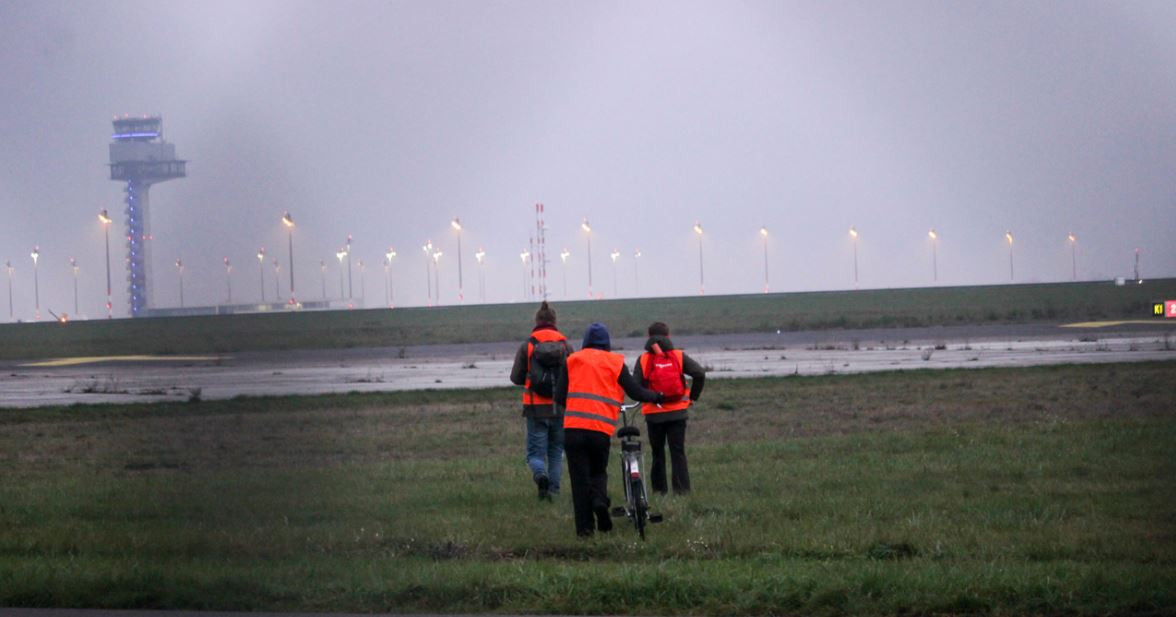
[487, 365]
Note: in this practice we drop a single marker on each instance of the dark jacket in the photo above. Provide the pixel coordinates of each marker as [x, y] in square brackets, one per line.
[689, 367]
[518, 376]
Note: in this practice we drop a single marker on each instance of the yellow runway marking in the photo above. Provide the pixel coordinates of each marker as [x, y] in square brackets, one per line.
[98, 359]
[1104, 324]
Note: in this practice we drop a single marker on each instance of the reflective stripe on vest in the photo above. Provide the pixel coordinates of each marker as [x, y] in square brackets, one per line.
[530, 399]
[590, 416]
[594, 396]
[666, 406]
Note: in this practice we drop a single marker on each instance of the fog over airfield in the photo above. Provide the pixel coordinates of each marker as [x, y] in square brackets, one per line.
[386, 120]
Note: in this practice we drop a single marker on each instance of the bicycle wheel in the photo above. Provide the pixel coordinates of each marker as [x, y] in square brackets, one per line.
[626, 485]
[640, 507]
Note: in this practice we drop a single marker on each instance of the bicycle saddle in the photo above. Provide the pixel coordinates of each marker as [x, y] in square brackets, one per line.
[628, 431]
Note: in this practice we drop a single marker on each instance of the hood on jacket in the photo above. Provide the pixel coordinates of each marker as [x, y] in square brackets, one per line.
[662, 341]
[596, 336]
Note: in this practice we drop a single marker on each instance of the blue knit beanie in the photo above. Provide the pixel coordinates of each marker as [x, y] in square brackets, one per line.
[597, 336]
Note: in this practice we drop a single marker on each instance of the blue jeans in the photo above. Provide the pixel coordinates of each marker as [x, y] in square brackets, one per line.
[545, 446]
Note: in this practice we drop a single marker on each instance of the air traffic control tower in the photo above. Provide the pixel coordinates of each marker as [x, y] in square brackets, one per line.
[140, 157]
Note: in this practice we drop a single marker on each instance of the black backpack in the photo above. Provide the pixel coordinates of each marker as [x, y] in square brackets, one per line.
[547, 360]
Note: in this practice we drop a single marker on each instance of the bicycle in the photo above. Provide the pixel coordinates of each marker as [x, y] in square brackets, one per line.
[636, 506]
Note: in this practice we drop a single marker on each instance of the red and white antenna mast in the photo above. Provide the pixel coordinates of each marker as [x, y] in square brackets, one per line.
[540, 263]
[531, 268]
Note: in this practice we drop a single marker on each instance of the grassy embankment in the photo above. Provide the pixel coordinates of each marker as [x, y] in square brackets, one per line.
[502, 322]
[1021, 491]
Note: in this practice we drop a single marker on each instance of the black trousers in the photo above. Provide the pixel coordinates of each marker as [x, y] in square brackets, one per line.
[674, 432]
[587, 453]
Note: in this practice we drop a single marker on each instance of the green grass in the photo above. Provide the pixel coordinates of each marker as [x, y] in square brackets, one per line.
[502, 322]
[1021, 491]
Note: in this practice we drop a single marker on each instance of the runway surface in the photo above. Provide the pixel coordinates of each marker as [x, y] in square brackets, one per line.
[121, 379]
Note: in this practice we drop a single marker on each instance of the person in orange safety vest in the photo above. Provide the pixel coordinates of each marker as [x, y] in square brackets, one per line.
[668, 421]
[591, 391]
[537, 365]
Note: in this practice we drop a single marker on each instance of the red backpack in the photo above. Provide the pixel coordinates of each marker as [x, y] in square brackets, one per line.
[665, 374]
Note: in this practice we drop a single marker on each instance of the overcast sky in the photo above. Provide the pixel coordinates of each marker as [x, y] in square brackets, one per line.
[386, 120]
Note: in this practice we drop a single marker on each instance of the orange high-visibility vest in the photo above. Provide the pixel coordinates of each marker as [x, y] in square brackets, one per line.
[666, 406]
[532, 401]
[594, 396]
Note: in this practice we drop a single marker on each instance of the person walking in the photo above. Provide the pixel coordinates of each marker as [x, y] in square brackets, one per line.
[538, 365]
[592, 391]
[663, 367]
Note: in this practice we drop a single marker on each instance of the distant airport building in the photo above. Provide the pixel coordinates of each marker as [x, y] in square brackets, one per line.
[140, 157]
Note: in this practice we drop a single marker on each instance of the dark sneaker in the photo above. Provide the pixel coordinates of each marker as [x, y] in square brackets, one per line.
[543, 482]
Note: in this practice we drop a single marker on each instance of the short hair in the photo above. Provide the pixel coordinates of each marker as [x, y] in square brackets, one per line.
[545, 315]
[658, 328]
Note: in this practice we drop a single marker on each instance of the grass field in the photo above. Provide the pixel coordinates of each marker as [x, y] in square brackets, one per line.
[1044, 491]
[503, 322]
